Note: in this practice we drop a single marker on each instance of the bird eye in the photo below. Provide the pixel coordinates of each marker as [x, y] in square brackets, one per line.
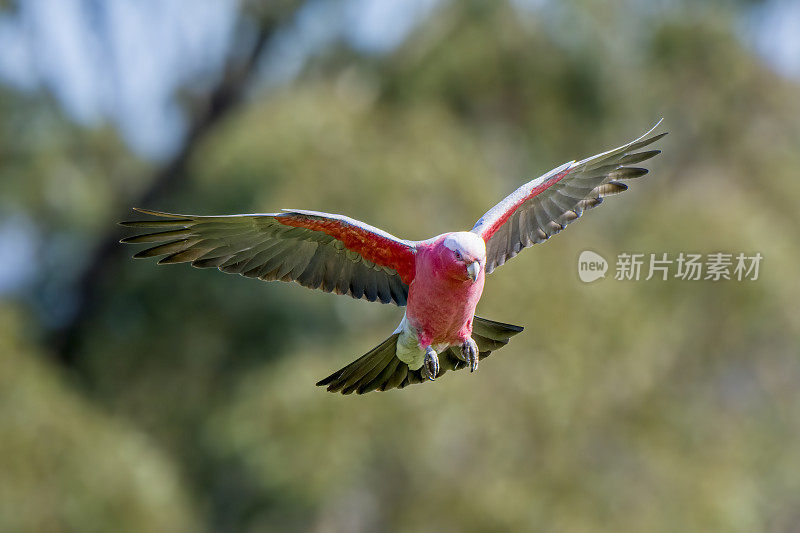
[458, 254]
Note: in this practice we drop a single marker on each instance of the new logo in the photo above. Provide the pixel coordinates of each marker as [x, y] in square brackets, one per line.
[591, 266]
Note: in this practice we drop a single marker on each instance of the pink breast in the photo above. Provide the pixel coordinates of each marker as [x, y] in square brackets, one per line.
[440, 307]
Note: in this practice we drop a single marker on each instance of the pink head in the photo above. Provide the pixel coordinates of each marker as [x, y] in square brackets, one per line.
[462, 255]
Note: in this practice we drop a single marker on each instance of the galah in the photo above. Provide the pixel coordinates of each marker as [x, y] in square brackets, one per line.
[438, 280]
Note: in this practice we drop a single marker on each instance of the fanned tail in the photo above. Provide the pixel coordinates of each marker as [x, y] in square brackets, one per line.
[380, 368]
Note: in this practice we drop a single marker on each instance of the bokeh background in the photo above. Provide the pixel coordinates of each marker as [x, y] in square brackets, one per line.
[144, 398]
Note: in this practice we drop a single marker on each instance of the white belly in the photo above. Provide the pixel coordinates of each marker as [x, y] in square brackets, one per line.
[409, 350]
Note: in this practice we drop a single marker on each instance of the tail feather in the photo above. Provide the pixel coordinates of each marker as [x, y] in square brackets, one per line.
[498, 331]
[341, 379]
[382, 377]
[397, 378]
[380, 369]
[360, 381]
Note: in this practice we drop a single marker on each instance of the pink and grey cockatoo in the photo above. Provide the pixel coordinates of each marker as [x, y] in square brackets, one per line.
[438, 280]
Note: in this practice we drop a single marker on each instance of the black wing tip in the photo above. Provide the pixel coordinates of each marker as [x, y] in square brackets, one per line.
[173, 220]
[635, 172]
[326, 381]
[152, 223]
[155, 213]
[145, 254]
[151, 212]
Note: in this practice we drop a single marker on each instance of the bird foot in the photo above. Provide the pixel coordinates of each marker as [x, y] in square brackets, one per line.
[430, 367]
[470, 354]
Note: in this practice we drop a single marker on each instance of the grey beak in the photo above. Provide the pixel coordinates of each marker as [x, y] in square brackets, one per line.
[473, 269]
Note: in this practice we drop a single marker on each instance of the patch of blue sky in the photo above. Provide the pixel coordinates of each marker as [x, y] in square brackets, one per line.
[773, 29]
[379, 26]
[120, 61]
[124, 61]
[18, 242]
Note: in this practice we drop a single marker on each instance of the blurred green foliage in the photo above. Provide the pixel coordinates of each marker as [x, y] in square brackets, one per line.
[67, 464]
[650, 406]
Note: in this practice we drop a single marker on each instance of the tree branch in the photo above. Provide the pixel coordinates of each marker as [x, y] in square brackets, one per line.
[222, 99]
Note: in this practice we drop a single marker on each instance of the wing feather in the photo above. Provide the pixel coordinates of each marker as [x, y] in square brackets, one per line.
[317, 250]
[543, 207]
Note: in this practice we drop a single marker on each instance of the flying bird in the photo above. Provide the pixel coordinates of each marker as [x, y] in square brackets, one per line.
[438, 280]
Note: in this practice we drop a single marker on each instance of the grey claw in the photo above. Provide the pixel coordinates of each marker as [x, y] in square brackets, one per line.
[470, 354]
[431, 364]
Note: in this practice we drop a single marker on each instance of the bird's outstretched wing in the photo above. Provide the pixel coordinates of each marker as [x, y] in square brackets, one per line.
[544, 206]
[317, 250]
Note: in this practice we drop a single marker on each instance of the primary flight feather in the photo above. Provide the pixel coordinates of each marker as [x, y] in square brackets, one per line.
[438, 280]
